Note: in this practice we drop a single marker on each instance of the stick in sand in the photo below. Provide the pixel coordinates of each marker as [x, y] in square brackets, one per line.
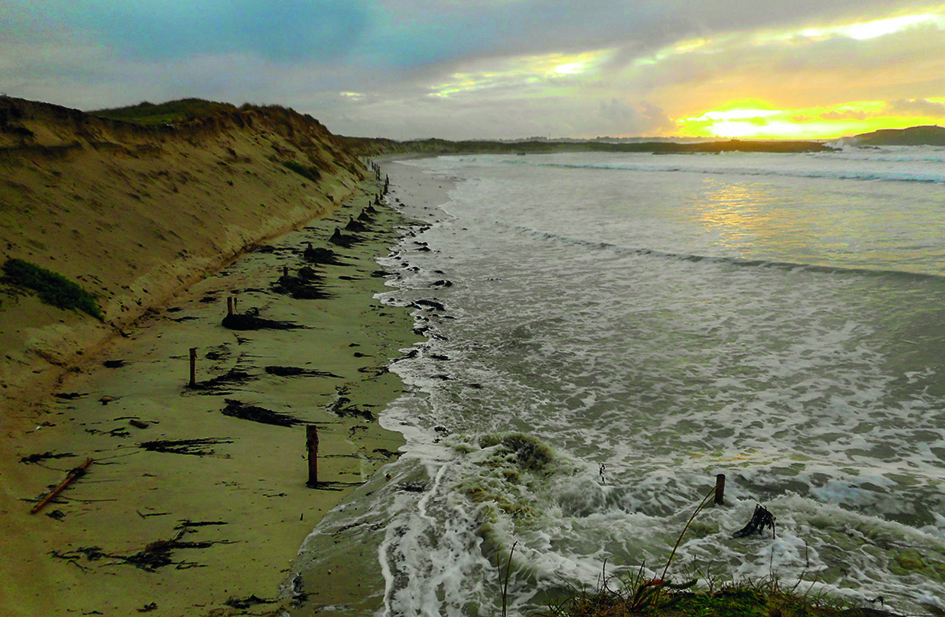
[76, 473]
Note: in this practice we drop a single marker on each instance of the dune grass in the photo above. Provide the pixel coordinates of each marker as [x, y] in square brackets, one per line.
[52, 288]
[164, 113]
[306, 172]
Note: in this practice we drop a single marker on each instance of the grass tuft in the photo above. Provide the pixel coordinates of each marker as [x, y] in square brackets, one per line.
[52, 288]
[306, 172]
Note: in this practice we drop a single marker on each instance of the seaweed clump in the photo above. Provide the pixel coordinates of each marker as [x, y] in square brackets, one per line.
[250, 320]
[529, 452]
[237, 409]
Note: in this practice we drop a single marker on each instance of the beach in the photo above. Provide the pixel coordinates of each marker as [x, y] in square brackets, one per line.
[196, 500]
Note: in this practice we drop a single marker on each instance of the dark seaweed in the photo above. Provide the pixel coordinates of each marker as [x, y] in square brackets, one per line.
[236, 409]
[192, 447]
[295, 371]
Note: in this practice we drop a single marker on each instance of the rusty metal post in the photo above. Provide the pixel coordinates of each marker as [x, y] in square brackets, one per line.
[311, 444]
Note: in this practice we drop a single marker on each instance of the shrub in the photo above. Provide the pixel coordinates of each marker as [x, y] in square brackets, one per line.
[306, 172]
[52, 288]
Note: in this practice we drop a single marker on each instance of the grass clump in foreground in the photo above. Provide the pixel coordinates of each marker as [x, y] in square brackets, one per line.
[52, 288]
[748, 599]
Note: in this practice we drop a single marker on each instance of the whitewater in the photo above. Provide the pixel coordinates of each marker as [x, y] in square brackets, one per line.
[605, 333]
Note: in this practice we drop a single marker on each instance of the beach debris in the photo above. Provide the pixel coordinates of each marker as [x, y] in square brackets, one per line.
[343, 407]
[45, 456]
[221, 383]
[147, 608]
[105, 400]
[56, 515]
[296, 371]
[237, 409]
[429, 304]
[250, 320]
[759, 520]
[68, 396]
[74, 475]
[152, 557]
[442, 283]
[320, 256]
[355, 225]
[245, 603]
[340, 239]
[192, 447]
[138, 423]
[302, 287]
[114, 363]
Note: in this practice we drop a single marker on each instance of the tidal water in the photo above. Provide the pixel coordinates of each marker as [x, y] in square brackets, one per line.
[607, 332]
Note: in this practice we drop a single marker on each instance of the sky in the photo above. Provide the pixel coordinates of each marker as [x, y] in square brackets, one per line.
[466, 69]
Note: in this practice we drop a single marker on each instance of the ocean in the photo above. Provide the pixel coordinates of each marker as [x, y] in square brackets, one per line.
[608, 332]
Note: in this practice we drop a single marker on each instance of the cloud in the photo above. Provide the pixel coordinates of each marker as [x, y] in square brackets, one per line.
[916, 107]
[847, 114]
[282, 30]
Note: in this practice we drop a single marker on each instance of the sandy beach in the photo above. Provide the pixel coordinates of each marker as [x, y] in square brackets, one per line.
[196, 501]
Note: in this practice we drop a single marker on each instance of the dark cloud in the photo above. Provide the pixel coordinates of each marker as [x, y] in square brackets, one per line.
[916, 107]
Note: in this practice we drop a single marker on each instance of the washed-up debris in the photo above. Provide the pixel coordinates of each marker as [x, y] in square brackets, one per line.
[320, 256]
[250, 320]
[45, 456]
[152, 557]
[759, 520]
[68, 396]
[74, 475]
[339, 239]
[343, 407]
[296, 371]
[237, 409]
[245, 603]
[192, 447]
[114, 363]
[301, 288]
[429, 304]
[221, 382]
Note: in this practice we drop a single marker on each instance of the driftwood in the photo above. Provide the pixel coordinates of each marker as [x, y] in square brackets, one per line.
[75, 474]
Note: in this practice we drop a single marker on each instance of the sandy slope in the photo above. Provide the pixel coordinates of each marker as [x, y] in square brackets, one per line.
[135, 214]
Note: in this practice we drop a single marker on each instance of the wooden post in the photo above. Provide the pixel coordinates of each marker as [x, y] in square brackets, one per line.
[311, 443]
[229, 306]
[193, 366]
[720, 489]
[285, 270]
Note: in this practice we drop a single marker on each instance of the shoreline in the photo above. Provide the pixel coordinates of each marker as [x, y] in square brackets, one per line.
[229, 516]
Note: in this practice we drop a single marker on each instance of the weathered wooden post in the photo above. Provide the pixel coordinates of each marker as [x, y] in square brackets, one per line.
[720, 489]
[311, 443]
[229, 306]
[285, 270]
[193, 366]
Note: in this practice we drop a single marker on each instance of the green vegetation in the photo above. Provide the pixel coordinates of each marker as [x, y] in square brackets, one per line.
[52, 288]
[164, 113]
[914, 136]
[766, 599]
[306, 172]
